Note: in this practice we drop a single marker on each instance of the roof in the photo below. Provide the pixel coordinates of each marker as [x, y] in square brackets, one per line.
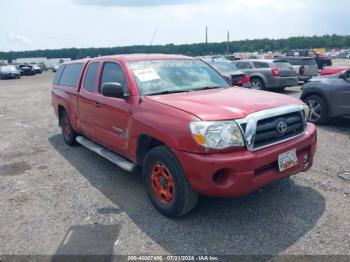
[137, 57]
[133, 57]
[255, 60]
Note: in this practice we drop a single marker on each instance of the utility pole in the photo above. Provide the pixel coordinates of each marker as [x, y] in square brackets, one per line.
[206, 34]
[228, 42]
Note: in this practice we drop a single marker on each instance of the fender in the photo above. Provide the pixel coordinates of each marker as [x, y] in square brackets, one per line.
[170, 128]
[312, 89]
[259, 75]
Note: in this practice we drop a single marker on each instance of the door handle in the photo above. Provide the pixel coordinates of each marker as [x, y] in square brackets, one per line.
[96, 104]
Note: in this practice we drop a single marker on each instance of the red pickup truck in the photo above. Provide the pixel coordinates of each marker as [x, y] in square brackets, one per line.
[183, 124]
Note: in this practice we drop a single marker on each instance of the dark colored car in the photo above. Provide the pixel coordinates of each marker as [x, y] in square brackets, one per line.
[230, 72]
[26, 70]
[327, 96]
[268, 74]
[321, 60]
[9, 72]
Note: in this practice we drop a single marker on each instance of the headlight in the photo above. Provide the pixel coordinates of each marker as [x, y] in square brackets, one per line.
[306, 112]
[217, 134]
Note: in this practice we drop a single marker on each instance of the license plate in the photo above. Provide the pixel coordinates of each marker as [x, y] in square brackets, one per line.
[287, 160]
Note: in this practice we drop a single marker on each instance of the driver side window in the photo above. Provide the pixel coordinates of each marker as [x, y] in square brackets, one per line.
[112, 72]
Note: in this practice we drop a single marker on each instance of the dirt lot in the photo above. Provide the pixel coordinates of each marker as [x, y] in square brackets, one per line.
[48, 191]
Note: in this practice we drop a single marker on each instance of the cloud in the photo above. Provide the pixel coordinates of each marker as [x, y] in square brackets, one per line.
[20, 39]
[135, 3]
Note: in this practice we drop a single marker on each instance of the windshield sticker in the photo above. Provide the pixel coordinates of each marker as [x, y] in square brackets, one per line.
[147, 74]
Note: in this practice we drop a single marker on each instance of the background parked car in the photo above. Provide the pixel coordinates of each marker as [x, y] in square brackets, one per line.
[321, 59]
[333, 70]
[54, 68]
[26, 70]
[42, 66]
[230, 72]
[306, 67]
[268, 74]
[9, 72]
[37, 69]
[327, 96]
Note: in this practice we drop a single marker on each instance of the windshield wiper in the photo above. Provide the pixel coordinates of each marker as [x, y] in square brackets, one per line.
[166, 92]
[206, 87]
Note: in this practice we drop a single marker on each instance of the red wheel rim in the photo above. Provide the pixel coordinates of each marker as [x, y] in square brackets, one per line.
[162, 182]
[66, 127]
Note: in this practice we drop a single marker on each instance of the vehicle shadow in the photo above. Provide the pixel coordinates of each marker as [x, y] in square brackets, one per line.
[265, 222]
[339, 125]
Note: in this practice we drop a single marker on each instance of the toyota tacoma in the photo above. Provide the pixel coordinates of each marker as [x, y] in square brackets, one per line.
[183, 124]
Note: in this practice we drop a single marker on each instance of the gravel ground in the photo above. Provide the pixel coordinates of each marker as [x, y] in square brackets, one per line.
[49, 192]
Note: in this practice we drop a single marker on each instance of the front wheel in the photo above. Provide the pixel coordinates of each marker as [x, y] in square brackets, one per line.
[318, 109]
[166, 183]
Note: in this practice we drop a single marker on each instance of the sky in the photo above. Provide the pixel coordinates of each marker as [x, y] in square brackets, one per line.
[54, 24]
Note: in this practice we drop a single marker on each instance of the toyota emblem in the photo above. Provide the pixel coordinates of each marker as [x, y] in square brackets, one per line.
[281, 127]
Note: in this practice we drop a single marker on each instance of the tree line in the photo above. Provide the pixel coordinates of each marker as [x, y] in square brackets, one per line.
[256, 45]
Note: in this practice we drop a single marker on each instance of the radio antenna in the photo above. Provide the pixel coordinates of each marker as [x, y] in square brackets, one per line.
[146, 55]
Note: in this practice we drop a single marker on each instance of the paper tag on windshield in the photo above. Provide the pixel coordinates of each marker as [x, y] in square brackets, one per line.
[147, 74]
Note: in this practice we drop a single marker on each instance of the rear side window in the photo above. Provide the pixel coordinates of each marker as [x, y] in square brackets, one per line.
[71, 75]
[261, 65]
[309, 62]
[113, 72]
[295, 62]
[243, 65]
[283, 65]
[90, 78]
[58, 75]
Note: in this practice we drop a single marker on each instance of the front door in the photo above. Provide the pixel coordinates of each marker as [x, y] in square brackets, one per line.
[112, 114]
[341, 95]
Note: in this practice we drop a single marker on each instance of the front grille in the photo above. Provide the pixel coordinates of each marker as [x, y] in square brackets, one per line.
[267, 131]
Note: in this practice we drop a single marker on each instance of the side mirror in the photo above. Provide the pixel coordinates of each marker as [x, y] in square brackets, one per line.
[113, 89]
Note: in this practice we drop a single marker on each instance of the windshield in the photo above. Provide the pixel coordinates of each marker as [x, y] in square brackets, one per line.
[156, 76]
[224, 67]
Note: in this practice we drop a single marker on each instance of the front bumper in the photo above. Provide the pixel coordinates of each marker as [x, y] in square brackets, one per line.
[239, 173]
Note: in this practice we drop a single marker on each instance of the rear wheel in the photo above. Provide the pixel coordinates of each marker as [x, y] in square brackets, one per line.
[68, 133]
[318, 109]
[166, 183]
[257, 83]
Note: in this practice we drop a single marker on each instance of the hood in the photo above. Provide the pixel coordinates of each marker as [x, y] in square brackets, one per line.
[223, 104]
[324, 78]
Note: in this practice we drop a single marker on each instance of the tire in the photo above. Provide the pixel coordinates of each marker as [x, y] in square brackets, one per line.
[68, 134]
[257, 83]
[319, 112]
[166, 184]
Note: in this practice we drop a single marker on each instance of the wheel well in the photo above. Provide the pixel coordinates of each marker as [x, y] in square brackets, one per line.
[304, 96]
[60, 111]
[258, 77]
[145, 144]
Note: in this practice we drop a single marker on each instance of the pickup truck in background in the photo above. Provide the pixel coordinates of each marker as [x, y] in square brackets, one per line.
[322, 60]
[306, 67]
[183, 124]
